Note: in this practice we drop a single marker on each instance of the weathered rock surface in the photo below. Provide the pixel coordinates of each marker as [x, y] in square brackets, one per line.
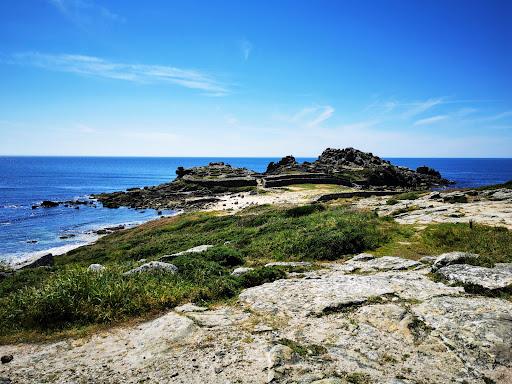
[499, 277]
[489, 207]
[189, 307]
[329, 326]
[321, 293]
[453, 258]
[198, 249]
[363, 263]
[241, 271]
[152, 267]
[95, 268]
[289, 264]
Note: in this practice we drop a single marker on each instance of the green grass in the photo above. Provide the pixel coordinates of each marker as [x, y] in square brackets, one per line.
[260, 234]
[39, 303]
[506, 185]
[69, 297]
[303, 350]
[493, 244]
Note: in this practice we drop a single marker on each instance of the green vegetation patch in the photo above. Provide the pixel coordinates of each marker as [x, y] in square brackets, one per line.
[303, 350]
[68, 296]
[493, 244]
[404, 196]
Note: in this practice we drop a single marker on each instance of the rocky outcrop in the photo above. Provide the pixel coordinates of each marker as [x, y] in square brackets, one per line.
[198, 187]
[194, 188]
[43, 261]
[497, 278]
[198, 249]
[352, 166]
[453, 258]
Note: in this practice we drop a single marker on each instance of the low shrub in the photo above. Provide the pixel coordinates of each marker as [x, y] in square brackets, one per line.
[225, 256]
[304, 210]
[260, 276]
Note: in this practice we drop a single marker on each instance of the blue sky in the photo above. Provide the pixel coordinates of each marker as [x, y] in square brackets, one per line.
[255, 78]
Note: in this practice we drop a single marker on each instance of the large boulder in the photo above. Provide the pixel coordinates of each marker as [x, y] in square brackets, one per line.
[96, 268]
[287, 163]
[241, 271]
[453, 258]
[499, 277]
[198, 249]
[43, 261]
[153, 267]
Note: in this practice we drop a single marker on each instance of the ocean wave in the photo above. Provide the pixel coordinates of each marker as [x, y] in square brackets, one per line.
[12, 206]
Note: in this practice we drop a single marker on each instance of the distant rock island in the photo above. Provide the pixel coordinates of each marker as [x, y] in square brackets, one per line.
[197, 186]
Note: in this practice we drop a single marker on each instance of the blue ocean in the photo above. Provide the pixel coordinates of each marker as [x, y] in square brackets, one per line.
[25, 181]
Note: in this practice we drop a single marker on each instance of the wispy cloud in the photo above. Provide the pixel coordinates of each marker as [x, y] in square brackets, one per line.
[324, 113]
[82, 12]
[417, 108]
[139, 73]
[430, 120]
[308, 116]
[246, 48]
[500, 116]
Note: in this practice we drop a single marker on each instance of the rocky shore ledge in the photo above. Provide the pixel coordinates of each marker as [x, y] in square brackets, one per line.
[198, 187]
[368, 320]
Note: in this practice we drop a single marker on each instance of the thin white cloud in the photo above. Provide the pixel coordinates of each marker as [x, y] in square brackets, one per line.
[430, 120]
[82, 12]
[139, 73]
[325, 113]
[246, 48]
[417, 108]
[500, 116]
[309, 116]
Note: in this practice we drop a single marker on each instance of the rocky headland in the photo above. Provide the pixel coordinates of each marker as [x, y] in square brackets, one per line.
[199, 187]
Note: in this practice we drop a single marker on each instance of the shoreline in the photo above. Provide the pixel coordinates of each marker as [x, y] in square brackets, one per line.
[19, 260]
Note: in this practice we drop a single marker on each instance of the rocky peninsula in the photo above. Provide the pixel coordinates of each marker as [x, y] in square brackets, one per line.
[198, 187]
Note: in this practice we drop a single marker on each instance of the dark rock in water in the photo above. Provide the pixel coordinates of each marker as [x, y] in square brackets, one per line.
[101, 232]
[428, 171]
[6, 359]
[43, 261]
[35, 207]
[31, 241]
[49, 204]
[116, 228]
[67, 236]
